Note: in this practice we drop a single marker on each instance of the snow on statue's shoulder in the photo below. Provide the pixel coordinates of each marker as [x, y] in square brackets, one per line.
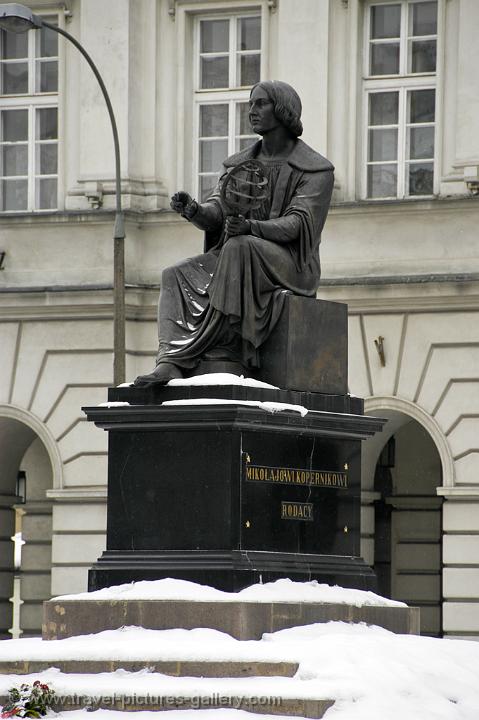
[283, 590]
[221, 379]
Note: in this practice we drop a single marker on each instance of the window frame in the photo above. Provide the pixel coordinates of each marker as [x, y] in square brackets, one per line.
[33, 101]
[403, 82]
[230, 96]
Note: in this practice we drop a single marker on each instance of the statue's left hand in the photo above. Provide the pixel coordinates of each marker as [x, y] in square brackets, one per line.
[237, 225]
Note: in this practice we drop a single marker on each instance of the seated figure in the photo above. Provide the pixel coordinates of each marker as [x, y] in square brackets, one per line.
[223, 304]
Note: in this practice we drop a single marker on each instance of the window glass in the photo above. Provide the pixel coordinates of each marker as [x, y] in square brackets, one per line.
[385, 59]
[214, 36]
[400, 133]
[14, 78]
[249, 32]
[385, 24]
[212, 154]
[214, 72]
[47, 125]
[244, 133]
[46, 189]
[47, 76]
[383, 108]
[249, 70]
[424, 18]
[242, 119]
[421, 179]
[47, 43]
[422, 106]
[213, 120]
[207, 185]
[14, 125]
[47, 159]
[421, 142]
[382, 181]
[383, 145]
[385, 21]
[13, 46]
[28, 127]
[14, 160]
[13, 195]
[422, 56]
[229, 64]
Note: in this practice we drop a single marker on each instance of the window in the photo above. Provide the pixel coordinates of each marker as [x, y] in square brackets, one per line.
[400, 99]
[28, 121]
[228, 64]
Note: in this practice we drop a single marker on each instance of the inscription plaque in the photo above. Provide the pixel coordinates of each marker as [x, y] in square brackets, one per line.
[297, 511]
[296, 476]
[299, 494]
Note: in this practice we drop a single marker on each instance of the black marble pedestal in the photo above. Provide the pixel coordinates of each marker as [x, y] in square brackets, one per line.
[231, 494]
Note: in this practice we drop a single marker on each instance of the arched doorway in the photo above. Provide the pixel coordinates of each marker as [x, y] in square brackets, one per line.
[402, 470]
[26, 476]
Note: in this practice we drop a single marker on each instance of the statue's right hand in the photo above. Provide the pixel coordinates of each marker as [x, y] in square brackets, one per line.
[180, 201]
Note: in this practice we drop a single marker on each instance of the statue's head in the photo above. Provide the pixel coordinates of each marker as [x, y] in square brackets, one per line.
[286, 102]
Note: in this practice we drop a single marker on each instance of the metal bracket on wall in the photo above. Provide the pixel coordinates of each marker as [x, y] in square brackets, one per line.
[379, 343]
[3, 255]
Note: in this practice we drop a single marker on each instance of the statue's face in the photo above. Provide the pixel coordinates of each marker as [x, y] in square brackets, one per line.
[261, 112]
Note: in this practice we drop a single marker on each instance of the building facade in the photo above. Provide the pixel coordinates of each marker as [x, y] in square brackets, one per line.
[390, 94]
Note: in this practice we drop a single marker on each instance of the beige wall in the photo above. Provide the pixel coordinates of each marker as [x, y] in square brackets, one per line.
[56, 318]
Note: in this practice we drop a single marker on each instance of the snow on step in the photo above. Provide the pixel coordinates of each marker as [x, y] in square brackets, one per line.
[283, 590]
[145, 690]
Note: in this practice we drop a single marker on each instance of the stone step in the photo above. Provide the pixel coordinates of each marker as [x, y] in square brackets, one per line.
[265, 705]
[176, 668]
[63, 618]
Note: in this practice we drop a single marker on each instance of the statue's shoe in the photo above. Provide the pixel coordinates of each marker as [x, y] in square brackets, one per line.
[163, 373]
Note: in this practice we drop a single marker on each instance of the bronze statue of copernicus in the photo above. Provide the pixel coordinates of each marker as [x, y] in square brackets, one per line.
[223, 304]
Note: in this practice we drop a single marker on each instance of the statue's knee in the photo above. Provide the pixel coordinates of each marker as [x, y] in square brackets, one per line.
[238, 243]
[244, 240]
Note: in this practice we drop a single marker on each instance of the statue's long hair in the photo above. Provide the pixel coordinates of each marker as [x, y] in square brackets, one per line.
[287, 104]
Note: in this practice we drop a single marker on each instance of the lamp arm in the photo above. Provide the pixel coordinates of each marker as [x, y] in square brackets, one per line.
[119, 224]
[119, 230]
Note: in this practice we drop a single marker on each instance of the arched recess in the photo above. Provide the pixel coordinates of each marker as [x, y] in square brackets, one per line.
[398, 411]
[26, 447]
[402, 468]
[41, 430]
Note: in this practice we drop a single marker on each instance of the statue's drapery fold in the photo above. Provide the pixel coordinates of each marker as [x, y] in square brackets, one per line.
[226, 301]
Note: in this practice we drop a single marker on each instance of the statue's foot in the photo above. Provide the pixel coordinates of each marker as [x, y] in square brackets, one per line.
[163, 373]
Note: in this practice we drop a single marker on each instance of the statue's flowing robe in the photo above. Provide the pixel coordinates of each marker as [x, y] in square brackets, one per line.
[225, 302]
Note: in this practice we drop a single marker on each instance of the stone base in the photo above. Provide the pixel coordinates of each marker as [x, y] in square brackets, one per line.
[308, 347]
[241, 620]
[229, 571]
[229, 494]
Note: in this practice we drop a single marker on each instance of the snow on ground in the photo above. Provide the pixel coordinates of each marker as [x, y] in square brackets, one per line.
[372, 673]
[136, 643]
[266, 405]
[283, 590]
[226, 714]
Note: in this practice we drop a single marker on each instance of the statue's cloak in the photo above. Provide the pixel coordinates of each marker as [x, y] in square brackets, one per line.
[303, 188]
[240, 284]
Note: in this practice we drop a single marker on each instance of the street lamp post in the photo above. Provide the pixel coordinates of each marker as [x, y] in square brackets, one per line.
[18, 19]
